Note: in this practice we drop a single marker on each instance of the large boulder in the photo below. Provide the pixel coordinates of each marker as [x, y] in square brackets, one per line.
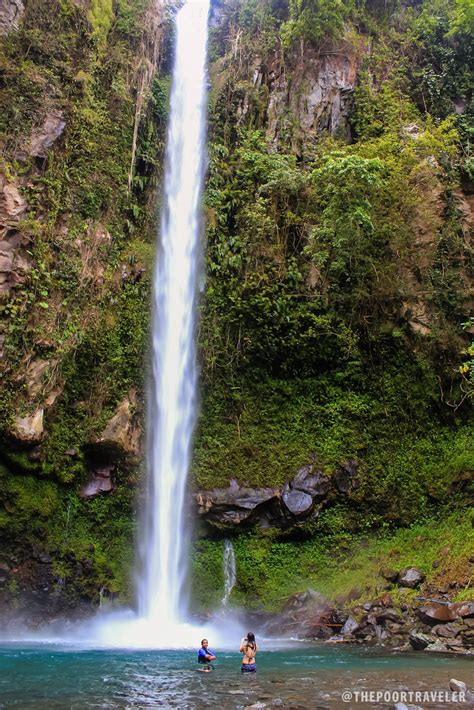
[235, 504]
[297, 502]
[311, 481]
[434, 614]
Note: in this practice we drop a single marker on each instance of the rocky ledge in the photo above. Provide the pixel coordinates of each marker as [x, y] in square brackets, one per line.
[296, 502]
[430, 625]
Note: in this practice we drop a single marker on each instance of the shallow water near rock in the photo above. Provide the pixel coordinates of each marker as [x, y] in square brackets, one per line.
[302, 676]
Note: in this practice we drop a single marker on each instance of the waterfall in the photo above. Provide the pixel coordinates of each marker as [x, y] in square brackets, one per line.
[172, 392]
[230, 577]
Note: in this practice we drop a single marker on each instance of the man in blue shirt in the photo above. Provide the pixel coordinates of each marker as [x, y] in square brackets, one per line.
[205, 655]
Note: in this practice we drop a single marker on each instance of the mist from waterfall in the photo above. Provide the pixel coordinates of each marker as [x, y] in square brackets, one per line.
[172, 390]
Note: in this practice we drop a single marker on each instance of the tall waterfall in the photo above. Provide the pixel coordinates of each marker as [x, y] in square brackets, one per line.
[172, 393]
[230, 576]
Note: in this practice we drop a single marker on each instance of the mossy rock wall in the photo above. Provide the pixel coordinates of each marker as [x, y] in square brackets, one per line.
[334, 322]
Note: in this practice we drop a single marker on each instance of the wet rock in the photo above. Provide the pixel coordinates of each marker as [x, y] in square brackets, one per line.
[311, 481]
[411, 578]
[446, 612]
[11, 12]
[463, 609]
[99, 482]
[318, 92]
[468, 638]
[305, 614]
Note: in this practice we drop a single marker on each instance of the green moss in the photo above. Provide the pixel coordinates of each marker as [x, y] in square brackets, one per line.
[100, 15]
[269, 570]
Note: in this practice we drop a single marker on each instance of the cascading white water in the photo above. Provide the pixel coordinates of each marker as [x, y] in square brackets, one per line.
[172, 394]
[230, 576]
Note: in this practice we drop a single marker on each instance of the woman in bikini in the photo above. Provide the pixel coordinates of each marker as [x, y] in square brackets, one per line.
[248, 647]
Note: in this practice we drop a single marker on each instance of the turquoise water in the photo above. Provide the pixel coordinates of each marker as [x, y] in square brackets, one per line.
[52, 676]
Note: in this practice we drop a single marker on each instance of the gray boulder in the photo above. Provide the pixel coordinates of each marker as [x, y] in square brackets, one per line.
[297, 502]
[411, 578]
[350, 627]
[311, 481]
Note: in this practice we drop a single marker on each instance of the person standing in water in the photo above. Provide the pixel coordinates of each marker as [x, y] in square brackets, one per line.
[248, 647]
[205, 656]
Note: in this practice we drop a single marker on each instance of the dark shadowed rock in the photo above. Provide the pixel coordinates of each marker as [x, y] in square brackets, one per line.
[419, 641]
[389, 574]
[233, 505]
[345, 477]
[411, 578]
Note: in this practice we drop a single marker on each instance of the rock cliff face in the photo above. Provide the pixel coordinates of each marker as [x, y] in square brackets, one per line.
[10, 15]
[310, 96]
[76, 121]
[338, 272]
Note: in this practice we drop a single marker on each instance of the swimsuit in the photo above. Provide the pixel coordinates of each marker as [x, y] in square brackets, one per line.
[249, 667]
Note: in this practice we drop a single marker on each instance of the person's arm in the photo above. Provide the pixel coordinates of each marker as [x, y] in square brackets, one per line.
[210, 656]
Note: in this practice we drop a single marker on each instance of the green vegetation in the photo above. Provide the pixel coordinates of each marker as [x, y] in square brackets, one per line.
[335, 317]
[336, 563]
[80, 306]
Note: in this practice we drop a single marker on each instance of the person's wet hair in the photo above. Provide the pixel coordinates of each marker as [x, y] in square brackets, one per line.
[251, 637]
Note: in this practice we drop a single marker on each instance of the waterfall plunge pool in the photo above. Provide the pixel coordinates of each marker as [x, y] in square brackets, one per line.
[50, 676]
